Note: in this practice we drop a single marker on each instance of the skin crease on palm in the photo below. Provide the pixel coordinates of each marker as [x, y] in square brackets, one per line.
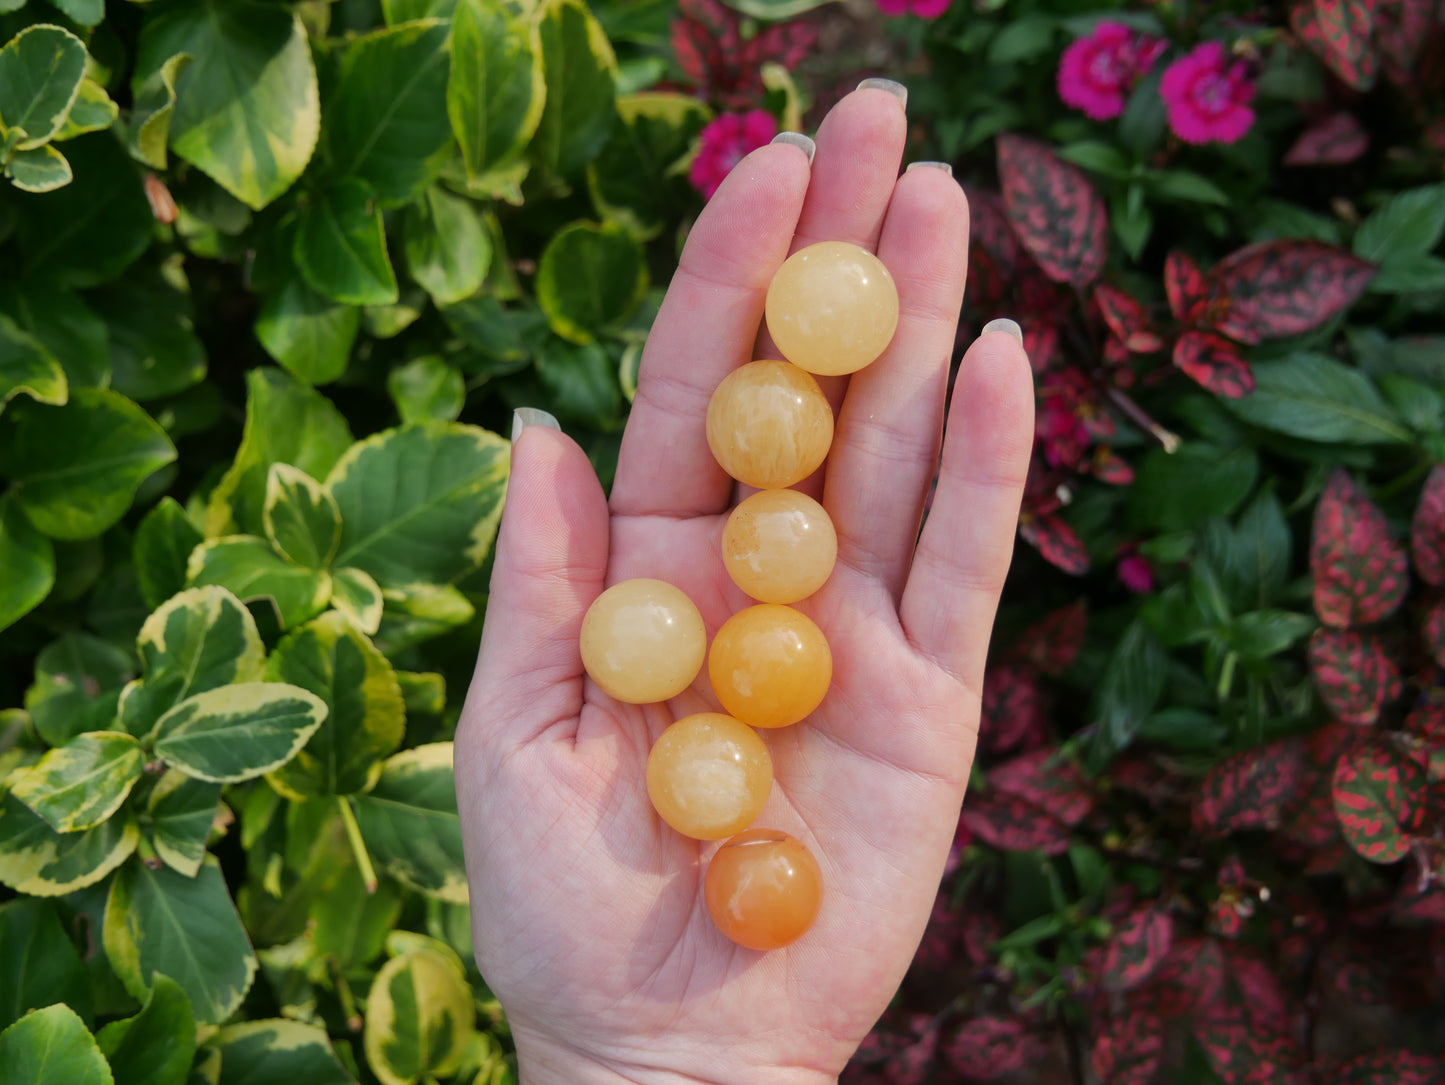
[589, 914]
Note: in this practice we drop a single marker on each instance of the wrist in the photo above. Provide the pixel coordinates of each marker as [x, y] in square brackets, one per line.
[544, 1062]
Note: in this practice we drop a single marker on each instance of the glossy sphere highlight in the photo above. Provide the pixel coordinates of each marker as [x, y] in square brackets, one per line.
[770, 665]
[769, 424]
[779, 546]
[832, 308]
[708, 776]
[763, 889]
[643, 640]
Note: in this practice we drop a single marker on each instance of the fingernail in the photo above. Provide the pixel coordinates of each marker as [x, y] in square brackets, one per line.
[898, 90]
[797, 139]
[1004, 324]
[523, 417]
[946, 167]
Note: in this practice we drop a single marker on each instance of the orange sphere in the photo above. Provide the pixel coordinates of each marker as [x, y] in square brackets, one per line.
[763, 889]
[643, 641]
[708, 776]
[769, 424]
[779, 546]
[832, 308]
[770, 665]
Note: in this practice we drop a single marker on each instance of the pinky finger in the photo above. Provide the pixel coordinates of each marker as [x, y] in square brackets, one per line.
[963, 555]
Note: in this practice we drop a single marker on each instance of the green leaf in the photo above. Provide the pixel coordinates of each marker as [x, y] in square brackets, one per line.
[180, 812]
[340, 246]
[410, 825]
[42, 965]
[28, 559]
[1097, 157]
[84, 12]
[386, 123]
[1261, 634]
[78, 678]
[579, 67]
[40, 73]
[200, 640]
[447, 249]
[40, 169]
[425, 692]
[27, 366]
[1317, 398]
[286, 422]
[157, 1045]
[92, 229]
[350, 924]
[310, 335]
[150, 118]
[1412, 274]
[419, 1018]
[580, 382]
[418, 612]
[357, 595]
[366, 716]
[1409, 223]
[247, 567]
[154, 349]
[81, 784]
[92, 111]
[1131, 685]
[27, 844]
[163, 543]
[268, 1051]
[590, 278]
[64, 326]
[1175, 491]
[301, 518]
[79, 859]
[1187, 187]
[238, 732]
[440, 526]
[634, 180]
[53, 1047]
[158, 921]
[405, 11]
[247, 110]
[496, 90]
[427, 389]
[775, 9]
[77, 466]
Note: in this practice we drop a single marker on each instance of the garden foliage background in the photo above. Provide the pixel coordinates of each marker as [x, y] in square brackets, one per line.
[274, 276]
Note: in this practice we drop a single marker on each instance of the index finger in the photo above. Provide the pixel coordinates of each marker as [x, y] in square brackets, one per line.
[704, 330]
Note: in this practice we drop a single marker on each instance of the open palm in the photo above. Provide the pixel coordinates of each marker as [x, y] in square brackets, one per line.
[588, 910]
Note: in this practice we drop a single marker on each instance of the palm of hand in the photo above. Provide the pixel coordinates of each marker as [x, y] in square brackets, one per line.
[588, 910]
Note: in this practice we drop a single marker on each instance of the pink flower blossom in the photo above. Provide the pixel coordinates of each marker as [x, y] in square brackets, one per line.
[924, 9]
[723, 143]
[1097, 73]
[1207, 97]
[1136, 573]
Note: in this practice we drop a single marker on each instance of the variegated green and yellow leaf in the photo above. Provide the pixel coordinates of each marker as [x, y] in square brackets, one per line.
[239, 731]
[358, 596]
[248, 567]
[92, 111]
[52, 1047]
[496, 91]
[301, 518]
[178, 819]
[410, 825]
[580, 69]
[419, 1018]
[83, 858]
[27, 367]
[150, 117]
[81, 784]
[41, 69]
[259, 1052]
[27, 843]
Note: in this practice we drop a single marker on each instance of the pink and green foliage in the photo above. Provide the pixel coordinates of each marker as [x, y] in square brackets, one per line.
[1360, 573]
[1057, 214]
[1379, 797]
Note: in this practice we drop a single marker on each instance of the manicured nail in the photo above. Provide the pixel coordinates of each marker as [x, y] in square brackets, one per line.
[946, 167]
[1004, 324]
[898, 90]
[797, 139]
[523, 417]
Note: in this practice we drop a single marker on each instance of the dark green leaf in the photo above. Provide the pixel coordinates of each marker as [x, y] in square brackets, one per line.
[163, 544]
[340, 246]
[308, 334]
[1097, 158]
[78, 679]
[42, 965]
[1413, 274]
[1408, 224]
[590, 278]
[247, 109]
[1261, 634]
[66, 326]
[180, 812]
[27, 367]
[634, 180]
[28, 559]
[154, 349]
[410, 825]
[53, 1047]
[579, 66]
[1130, 688]
[79, 465]
[157, 1045]
[1317, 398]
[1174, 491]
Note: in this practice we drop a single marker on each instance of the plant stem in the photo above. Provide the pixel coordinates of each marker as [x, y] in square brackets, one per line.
[358, 846]
[1136, 414]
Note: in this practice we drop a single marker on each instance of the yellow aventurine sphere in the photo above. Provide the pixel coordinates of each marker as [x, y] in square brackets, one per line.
[770, 665]
[708, 776]
[643, 641]
[832, 308]
[769, 424]
[779, 546]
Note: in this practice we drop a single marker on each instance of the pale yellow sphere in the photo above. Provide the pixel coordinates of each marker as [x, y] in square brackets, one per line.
[769, 424]
[832, 308]
[779, 546]
[643, 641]
[708, 776]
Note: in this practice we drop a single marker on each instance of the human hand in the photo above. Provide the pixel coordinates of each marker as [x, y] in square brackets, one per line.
[589, 916]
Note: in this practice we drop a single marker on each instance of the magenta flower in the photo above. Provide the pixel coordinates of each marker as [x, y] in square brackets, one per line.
[723, 143]
[1097, 73]
[1136, 573]
[924, 9]
[1207, 97]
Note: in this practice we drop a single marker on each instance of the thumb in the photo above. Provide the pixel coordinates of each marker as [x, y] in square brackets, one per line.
[550, 561]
